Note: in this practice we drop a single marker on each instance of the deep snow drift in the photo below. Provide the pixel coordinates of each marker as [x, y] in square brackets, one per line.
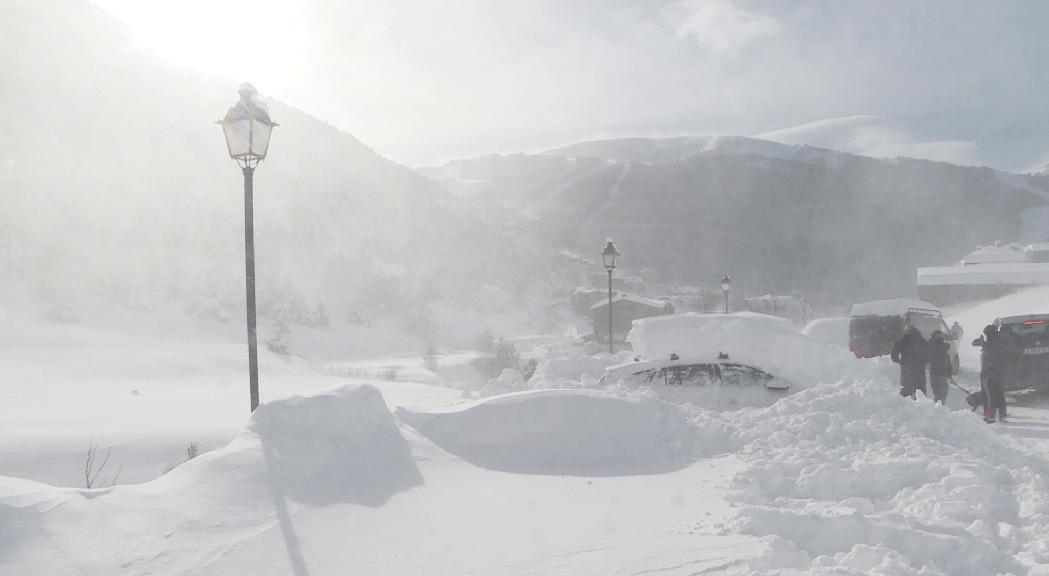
[577, 432]
[841, 478]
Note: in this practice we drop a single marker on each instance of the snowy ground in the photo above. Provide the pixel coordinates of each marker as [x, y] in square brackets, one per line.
[337, 474]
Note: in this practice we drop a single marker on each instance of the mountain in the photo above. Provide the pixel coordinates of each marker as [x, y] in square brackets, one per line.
[876, 137]
[833, 226]
[115, 184]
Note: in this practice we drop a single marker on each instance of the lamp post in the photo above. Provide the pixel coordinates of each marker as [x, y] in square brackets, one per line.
[609, 256]
[247, 128]
[726, 286]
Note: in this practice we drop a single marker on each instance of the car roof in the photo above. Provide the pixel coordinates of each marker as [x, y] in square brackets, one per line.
[641, 366]
[1021, 319]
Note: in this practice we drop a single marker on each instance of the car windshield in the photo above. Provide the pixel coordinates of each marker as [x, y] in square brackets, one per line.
[690, 375]
[926, 323]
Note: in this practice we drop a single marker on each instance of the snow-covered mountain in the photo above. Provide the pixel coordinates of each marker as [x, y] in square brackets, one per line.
[776, 216]
[873, 136]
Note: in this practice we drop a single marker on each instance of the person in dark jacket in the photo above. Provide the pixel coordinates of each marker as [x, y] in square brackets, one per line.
[939, 353]
[991, 372]
[911, 354]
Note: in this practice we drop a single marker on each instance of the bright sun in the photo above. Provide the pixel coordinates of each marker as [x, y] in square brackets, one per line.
[245, 40]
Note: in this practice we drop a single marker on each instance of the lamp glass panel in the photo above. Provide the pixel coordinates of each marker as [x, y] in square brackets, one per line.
[260, 137]
[238, 136]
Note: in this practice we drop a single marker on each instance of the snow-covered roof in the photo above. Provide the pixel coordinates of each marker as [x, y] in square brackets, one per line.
[635, 299]
[1010, 273]
[890, 307]
[1011, 252]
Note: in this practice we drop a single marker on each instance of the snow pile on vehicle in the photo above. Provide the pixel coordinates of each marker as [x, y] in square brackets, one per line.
[891, 307]
[833, 331]
[864, 482]
[749, 339]
[338, 446]
[563, 432]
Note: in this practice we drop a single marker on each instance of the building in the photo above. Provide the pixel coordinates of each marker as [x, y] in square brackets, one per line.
[583, 299]
[988, 272]
[625, 309]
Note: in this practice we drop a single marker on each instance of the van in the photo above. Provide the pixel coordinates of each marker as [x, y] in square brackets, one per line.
[874, 327]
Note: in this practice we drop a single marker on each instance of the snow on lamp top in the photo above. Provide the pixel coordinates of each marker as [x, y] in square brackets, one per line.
[247, 127]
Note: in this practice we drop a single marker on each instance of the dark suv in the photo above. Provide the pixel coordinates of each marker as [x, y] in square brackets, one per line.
[1026, 351]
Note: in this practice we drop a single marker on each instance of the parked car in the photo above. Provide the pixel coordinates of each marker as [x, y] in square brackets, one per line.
[718, 382]
[1026, 351]
[875, 326]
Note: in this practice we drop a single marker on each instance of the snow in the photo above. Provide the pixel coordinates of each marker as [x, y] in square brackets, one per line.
[834, 331]
[986, 273]
[1030, 301]
[650, 302]
[873, 136]
[332, 474]
[890, 307]
[562, 432]
[856, 478]
[766, 342]
[996, 253]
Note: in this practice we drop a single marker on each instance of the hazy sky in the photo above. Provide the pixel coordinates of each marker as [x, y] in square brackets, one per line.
[423, 81]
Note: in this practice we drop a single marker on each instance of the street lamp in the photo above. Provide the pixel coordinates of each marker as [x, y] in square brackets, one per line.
[610, 256]
[726, 286]
[247, 127]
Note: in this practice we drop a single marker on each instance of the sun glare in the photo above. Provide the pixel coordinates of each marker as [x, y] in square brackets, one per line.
[256, 40]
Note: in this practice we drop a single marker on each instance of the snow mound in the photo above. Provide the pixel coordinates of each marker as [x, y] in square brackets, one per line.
[748, 338]
[863, 481]
[834, 331]
[562, 432]
[339, 446]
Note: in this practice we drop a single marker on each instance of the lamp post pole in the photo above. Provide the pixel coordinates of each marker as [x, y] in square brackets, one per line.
[247, 127]
[249, 275]
[726, 285]
[610, 350]
[609, 257]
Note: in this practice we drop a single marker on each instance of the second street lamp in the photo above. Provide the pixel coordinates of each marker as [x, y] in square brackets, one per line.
[247, 127]
[609, 257]
[726, 286]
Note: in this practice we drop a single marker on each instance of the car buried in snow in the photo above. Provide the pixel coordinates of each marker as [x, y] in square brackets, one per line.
[710, 382]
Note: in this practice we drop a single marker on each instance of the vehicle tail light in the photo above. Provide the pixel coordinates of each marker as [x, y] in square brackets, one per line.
[1034, 322]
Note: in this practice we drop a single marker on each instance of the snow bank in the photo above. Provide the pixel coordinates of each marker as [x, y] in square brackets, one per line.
[563, 432]
[864, 482]
[573, 371]
[750, 339]
[339, 446]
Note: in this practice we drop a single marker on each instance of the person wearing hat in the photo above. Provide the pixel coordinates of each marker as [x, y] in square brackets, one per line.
[911, 354]
[991, 373]
[939, 352]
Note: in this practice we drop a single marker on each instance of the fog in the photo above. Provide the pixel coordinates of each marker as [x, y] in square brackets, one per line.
[424, 83]
[117, 189]
[448, 375]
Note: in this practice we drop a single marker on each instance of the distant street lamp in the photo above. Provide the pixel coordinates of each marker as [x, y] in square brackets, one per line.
[609, 256]
[726, 286]
[247, 127]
